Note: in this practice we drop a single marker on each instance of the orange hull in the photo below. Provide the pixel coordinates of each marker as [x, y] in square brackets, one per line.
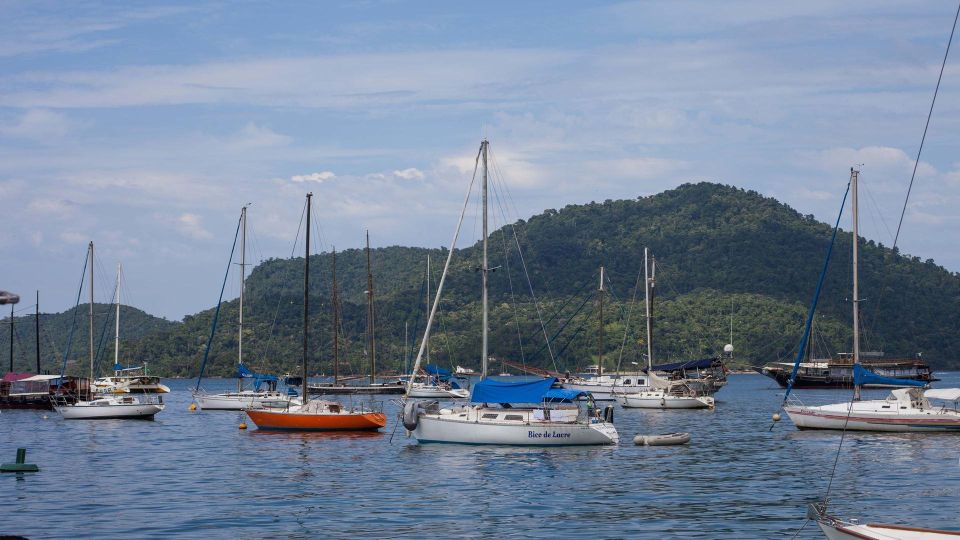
[291, 421]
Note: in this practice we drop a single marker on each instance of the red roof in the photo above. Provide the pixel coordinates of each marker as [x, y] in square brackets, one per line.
[11, 376]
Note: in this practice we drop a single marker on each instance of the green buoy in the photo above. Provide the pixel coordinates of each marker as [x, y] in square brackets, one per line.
[20, 465]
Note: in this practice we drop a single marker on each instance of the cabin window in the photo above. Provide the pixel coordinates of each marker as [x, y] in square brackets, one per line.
[517, 417]
[885, 406]
[626, 382]
[491, 416]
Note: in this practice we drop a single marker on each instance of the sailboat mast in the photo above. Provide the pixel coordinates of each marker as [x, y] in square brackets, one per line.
[11, 338]
[483, 268]
[646, 297]
[306, 303]
[36, 324]
[90, 321]
[854, 174]
[600, 345]
[243, 277]
[336, 323]
[427, 352]
[116, 333]
[371, 323]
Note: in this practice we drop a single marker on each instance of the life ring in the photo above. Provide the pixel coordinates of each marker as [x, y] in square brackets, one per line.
[827, 380]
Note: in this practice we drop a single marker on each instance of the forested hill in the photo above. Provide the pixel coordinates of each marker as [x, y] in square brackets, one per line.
[719, 250]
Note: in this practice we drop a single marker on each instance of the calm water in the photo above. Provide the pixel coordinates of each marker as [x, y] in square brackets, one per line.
[195, 474]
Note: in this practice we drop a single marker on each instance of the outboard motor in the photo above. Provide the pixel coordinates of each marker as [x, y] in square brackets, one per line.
[608, 414]
[411, 415]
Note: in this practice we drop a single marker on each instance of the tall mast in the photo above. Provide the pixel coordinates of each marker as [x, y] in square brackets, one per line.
[306, 303]
[646, 297]
[427, 352]
[116, 333]
[371, 324]
[243, 276]
[91, 318]
[36, 324]
[856, 285]
[11, 338]
[483, 268]
[600, 346]
[336, 323]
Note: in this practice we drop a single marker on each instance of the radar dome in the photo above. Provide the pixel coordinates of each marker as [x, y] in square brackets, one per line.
[728, 348]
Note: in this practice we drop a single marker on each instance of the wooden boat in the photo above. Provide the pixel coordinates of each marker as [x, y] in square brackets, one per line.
[837, 529]
[317, 415]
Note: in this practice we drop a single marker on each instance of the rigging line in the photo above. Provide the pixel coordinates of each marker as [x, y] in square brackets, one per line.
[276, 313]
[586, 300]
[216, 315]
[443, 276]
[626, 329]
[103, 333]
[73, 324]
[506, 259]
[526, 274]
[583, 324]
[923, 139]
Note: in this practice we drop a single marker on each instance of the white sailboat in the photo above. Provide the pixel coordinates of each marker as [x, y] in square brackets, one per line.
[126, 379]
[905, 409]
[108, 406]
[430, 385]
[243, 398]
[661, 393]
[530, 412]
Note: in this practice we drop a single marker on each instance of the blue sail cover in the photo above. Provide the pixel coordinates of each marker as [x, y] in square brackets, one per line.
[121, 367]
[243, 372]
[689, 364]
[436, 370]
[862, 376]
[555, 395]
[490, 391]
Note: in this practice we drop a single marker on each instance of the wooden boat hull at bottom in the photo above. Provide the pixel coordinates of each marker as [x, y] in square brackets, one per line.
[292, 421]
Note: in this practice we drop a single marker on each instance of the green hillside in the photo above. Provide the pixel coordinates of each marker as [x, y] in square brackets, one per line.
[719, 250]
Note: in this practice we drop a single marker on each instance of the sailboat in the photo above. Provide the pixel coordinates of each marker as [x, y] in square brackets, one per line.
[435, 382]
[316, 415]
[530, 412]
[603, 386]
[108, 406]
[264, 392]
[126, 379]
[905, 409]
[662, 393]
[372, 387]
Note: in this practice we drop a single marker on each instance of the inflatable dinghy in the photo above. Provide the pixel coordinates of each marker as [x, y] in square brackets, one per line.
[669, 439]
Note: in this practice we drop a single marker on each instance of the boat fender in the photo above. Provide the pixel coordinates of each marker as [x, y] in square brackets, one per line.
[411, 415]
[608, 414]
[663, 402]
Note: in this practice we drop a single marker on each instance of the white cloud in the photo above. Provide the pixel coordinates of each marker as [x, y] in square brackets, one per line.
[38, 124]
[254, 136]
[318, 177]
[411, 173]
[191, 225]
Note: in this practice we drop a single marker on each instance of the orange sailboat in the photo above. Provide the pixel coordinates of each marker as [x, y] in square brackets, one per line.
[317, 415]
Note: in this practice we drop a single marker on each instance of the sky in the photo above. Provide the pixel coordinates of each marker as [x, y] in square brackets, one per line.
[146, 127]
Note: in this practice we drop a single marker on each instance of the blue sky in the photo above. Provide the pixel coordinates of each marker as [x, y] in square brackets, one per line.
[146, 127]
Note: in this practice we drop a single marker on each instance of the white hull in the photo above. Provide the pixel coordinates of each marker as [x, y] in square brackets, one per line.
[436, 392]
[233, 401]
[96, 410]
[450, 428]
[660, 400]
[905, 410]
[606, 388]
[849, 531]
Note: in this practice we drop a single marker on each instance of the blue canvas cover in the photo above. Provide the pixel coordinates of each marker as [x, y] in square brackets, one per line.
[433, 369]
[690, 364]
[491, 391]
[862, 376]
[563, 394]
